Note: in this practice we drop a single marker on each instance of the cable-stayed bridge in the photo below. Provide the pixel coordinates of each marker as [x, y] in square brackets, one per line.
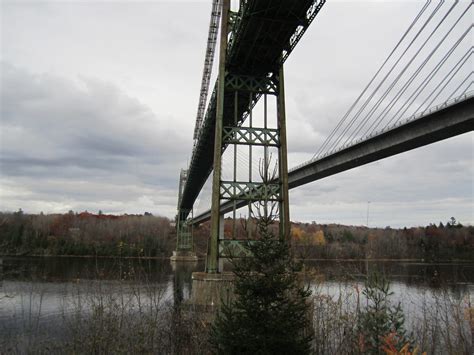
[408, 103]
[442, 122]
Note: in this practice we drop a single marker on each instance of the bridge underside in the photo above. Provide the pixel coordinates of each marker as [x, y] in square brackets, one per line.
[263, 34]
[442, 124]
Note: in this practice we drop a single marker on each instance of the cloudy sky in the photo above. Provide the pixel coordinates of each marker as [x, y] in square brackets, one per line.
[98, 102]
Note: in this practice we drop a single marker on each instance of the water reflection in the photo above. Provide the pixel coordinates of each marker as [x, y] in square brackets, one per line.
[35, 292]
[182, 284]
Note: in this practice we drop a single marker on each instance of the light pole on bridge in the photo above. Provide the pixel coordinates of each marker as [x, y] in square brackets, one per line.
[368, 207]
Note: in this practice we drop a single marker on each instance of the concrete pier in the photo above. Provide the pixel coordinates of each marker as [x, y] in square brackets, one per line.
[210, 290]
[188, 256]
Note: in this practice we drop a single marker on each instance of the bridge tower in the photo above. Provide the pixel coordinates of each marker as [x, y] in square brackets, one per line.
[240, 92]
[184, 237]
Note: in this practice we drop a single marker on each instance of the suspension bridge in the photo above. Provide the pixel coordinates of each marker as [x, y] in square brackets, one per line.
[418, 96]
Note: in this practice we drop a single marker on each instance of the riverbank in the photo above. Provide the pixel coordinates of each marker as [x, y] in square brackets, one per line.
[203, 257]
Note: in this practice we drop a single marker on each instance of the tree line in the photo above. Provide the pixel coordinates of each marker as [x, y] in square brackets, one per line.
[435, 242]
[154, 236]
[431, 243]
[85, 234]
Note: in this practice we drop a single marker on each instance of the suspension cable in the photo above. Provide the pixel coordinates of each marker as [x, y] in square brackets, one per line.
[406, 85]
[467, 87]
[392, 85]
[466, 57]
[372, 80]
[462, 83]
[408, 103]
[347, 128]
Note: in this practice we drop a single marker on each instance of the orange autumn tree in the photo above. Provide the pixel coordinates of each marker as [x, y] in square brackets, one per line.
[319, 238]
[305, 242]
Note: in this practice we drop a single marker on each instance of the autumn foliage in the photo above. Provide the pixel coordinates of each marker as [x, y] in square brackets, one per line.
[85, 234]
[431, 243]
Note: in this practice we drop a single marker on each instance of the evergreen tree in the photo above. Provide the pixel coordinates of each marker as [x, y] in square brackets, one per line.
[269, 314]
[379, 322]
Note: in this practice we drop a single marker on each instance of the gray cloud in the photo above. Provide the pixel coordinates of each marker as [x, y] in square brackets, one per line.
[53, 128]
[98, 103]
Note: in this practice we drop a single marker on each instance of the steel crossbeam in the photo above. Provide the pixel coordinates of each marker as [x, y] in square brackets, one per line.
[234, 248]
[251, 136]
[251, 83]
[250, 191]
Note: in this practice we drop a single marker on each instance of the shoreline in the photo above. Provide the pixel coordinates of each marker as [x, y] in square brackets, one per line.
[84, 256]
[401, 260]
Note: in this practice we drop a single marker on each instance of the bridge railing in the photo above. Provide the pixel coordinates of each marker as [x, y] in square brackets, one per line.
[412, 118]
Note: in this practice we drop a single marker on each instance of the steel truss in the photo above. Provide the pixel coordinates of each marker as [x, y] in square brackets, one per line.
[234, 248]
[262, 34]
[251, 136]
[261, 85]
[250, 191]
[209, 59]
[239, 93]
[255, 41]
[184, 235]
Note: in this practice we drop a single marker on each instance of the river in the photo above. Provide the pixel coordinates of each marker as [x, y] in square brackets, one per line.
[37, 292]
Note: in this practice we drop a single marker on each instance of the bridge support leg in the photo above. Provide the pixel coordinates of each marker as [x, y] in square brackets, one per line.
[283, 160]
[184, 239]
[212, 256]
[184, 231]
[265, 192]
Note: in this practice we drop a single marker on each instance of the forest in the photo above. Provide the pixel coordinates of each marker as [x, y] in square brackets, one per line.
[88, 234]
[85, 234]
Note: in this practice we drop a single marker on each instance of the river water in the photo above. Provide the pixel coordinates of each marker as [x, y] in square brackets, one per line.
[41, 291]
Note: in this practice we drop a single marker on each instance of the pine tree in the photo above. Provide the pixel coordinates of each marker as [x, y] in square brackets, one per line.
[269, 314]
[379, 321]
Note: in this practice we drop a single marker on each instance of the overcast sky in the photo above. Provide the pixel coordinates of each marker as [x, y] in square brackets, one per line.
[98, 102]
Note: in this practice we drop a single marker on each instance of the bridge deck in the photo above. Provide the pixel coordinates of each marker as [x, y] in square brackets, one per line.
[444, 123]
